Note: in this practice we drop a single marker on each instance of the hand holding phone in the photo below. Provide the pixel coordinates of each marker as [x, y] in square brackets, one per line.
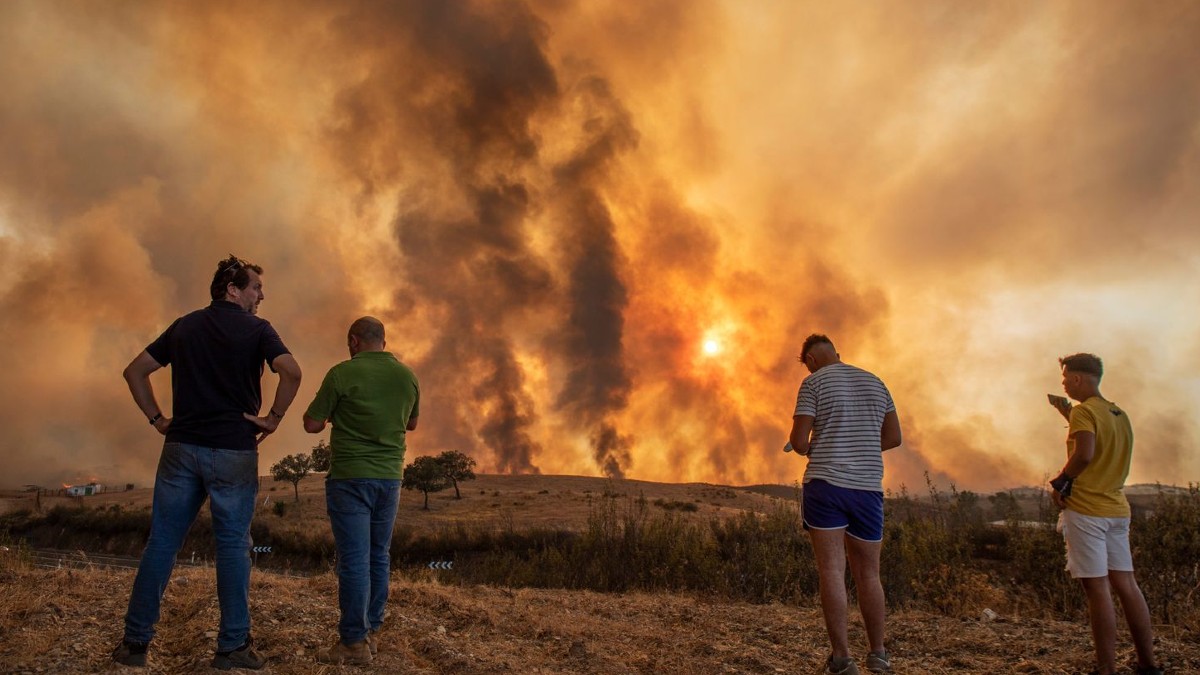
[1060, 403]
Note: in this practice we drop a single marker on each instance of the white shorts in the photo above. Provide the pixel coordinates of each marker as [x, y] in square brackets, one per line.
[1095, 545]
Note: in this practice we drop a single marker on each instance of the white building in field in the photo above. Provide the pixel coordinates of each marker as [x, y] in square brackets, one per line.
[85, 490]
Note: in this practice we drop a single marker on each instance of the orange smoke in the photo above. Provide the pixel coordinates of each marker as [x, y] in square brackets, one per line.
[599, 233]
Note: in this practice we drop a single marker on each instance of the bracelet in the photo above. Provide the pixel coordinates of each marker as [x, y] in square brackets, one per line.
[275, 413]
[156, 418]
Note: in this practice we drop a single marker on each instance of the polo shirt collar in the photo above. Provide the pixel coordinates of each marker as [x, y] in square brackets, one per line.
[374, 355]
[225, 304]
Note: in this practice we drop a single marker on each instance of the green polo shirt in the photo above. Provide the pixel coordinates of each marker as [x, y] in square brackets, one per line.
[369, 400]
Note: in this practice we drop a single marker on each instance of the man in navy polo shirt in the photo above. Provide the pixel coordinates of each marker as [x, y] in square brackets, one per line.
[216, 356]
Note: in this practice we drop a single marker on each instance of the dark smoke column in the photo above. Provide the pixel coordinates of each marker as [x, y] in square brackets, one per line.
[453, 117]
[598, 383]
[441, 118]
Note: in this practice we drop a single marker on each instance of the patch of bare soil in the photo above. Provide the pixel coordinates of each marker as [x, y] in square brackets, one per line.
[54, 621]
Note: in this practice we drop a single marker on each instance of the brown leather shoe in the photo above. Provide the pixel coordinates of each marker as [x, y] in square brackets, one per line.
[242, 657]
[357, 654]
[373, 641]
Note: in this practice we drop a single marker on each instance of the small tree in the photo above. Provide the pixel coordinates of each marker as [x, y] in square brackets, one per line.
[1005, 506]
[322, 456]
[457, 466]
[425, 474]
[292, 468]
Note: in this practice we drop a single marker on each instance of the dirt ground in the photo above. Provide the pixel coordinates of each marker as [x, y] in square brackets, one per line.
[56, 621]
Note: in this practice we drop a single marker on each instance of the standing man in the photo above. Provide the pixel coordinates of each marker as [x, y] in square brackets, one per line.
[211, 451]
[844, 420]
[372, 400]
[1095, 517]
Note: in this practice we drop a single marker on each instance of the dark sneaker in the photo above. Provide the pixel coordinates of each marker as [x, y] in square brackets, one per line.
[242, 657]
[879, 662]
[130, 654]
[357, 654]
[836, 666]
[1149, 670]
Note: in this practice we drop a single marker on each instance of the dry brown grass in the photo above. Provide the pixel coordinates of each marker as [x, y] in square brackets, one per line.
[551, 502]
[69, 620]
[513, 502]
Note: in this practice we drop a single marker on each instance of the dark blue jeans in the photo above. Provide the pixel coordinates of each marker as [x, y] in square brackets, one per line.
[187, 474]
[362, 512]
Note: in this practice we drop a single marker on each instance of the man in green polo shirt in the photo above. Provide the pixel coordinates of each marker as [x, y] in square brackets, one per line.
[372, 400]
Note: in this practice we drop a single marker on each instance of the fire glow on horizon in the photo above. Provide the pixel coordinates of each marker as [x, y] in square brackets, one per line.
[600, 231]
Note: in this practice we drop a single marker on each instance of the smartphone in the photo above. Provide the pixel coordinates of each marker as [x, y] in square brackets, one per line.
[1057, 401]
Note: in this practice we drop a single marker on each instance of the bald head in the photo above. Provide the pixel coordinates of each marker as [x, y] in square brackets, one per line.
[366, 335]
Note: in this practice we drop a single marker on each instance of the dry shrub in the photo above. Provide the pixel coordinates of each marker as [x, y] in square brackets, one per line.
[1166, 550]
[957, 591]
[938, 552]
[14, 556]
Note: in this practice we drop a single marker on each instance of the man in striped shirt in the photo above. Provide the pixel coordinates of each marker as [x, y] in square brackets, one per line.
[844, 420]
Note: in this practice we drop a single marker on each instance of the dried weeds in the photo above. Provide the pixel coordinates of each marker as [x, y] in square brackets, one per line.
[55, 621]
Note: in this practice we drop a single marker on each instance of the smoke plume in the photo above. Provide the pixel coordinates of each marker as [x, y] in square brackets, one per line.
[599, 232]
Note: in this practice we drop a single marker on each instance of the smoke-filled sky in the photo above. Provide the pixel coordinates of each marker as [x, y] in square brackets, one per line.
[600, 231]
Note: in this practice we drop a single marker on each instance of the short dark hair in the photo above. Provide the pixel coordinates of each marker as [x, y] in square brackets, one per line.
[1083, 363]
[368, 329]
[813, 340]
[232, 270]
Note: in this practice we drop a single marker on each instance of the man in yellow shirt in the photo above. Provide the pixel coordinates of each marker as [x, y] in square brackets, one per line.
[1095, 516]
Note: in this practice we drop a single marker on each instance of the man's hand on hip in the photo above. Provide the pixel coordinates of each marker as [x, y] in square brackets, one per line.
[162, 424]
[266, 424]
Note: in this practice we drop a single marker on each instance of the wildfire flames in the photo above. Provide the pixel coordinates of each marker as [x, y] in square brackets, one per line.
[599, 232]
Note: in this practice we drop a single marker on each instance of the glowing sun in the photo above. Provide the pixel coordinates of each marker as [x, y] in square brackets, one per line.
[711, 347]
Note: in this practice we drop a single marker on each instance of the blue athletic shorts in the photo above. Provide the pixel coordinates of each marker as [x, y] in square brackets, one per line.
[829, 507]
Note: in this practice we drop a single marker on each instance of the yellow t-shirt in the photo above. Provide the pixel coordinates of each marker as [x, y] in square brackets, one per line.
[1098, 490]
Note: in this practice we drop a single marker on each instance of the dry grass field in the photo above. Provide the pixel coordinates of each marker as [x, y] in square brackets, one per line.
[559, 502]
[67, 621]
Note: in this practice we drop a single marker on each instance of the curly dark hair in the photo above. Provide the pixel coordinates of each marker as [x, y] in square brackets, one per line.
[232, 270]
[1083, 363]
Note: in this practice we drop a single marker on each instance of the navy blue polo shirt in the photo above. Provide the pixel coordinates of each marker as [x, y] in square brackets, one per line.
[216, 356]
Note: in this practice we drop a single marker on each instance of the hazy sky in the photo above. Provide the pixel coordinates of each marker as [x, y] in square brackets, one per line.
[555, 207]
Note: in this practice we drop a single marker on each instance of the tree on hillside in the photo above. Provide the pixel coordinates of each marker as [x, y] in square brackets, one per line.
[1005, 506]
[322, 456]
[427, 475]
[292, 468]
[457, 466]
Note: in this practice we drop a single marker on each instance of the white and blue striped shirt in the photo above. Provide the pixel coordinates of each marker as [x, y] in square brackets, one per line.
[847, 405]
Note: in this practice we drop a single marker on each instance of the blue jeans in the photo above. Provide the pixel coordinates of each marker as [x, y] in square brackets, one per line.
[362, 512]
[187, 474]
